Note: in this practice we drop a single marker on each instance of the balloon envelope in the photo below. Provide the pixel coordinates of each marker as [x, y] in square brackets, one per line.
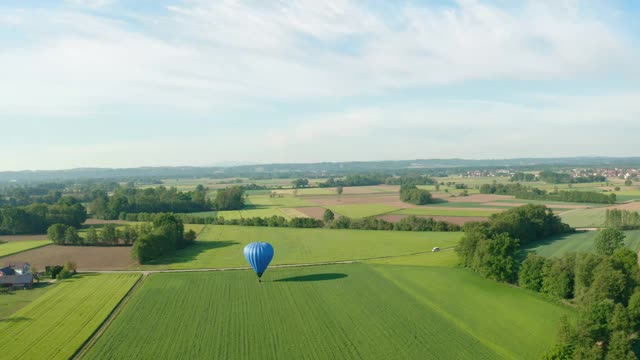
[259, 255]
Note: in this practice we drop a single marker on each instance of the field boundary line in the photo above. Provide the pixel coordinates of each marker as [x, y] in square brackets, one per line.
[86, 346]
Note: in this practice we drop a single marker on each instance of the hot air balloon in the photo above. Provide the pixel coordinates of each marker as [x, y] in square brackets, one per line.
[259, 255]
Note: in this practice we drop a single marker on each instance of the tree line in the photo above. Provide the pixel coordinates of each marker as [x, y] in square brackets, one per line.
[409, 223]
[531, 193]
[606, 288]
[36, 218]
[622, 219]
[492, 248]
[166, 235]
[564, 178]
[604, 285]
[108, 235]
[126, 200]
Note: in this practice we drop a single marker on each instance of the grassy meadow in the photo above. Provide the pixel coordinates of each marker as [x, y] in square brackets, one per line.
[13, 247]
[579, 242]
[222, 245]
[56, 324]
[353, 311]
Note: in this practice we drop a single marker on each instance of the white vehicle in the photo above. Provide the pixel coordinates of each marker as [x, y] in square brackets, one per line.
[435, 249]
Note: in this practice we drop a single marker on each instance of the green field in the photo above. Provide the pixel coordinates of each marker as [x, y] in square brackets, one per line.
[11, 303]
[277, 202]
[356, 211]
[584, 217]
[13, 247]
[446, 257]
[579, 242]
[445, 212]
[221, 246]
[353, 311]
[56, 324]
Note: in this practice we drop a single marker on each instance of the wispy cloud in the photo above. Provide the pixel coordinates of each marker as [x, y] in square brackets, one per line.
[200, 59]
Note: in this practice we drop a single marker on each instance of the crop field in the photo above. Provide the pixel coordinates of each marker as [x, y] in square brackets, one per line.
[278, 202]
[86, 257]
[579, 242]
[56, 324]
[354, 311]
[584, 218]
[9, 248]
[446, 212]
[356, 211]
[9, 304]
[221, 246]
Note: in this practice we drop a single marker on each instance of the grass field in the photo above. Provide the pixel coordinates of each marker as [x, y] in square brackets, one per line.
[278, 202]
[11, 303]
[579, 242]
[9, 248]
[221, 246]
[357, 211]
[446, 257]
[584, 217]
[57, 323]
[445, 212]
[353, 311]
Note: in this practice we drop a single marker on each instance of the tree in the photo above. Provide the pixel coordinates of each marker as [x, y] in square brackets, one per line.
[531, 273]
[71, 266]
[608, 240]
[496, 258]
[56, 233]
[230, 198]
[339, 190]
[620, 347]
[608, 283]
[628, 182]
[109, 235]
[91, 237]
[300, 183]
[71, 236]
[559, 277]
[328, 216]
[190, 236]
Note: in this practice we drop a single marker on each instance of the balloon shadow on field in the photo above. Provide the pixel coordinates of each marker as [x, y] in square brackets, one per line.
[314, 277]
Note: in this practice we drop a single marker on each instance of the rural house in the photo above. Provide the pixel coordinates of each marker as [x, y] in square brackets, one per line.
[16, 275]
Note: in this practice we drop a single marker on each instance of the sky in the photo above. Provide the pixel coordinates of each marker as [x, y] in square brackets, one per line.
[115, 83]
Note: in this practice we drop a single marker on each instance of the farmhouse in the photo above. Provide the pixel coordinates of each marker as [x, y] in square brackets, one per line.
[16, 275]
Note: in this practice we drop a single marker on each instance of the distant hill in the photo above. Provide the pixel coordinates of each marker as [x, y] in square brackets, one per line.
[433, 166]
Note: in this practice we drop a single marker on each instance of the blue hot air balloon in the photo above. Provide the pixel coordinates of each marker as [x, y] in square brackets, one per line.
[259, 255]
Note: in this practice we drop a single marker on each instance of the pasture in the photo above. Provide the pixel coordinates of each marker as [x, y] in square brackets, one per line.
[14, 247]
[220, 245]
[56, 324]
[579, 242]
[353, 311]
[584, 218]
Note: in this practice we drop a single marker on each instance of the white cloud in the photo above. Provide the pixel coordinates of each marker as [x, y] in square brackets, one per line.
[201, 58]
[205, 55]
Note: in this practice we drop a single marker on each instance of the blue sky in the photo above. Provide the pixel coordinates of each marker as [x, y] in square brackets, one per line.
[114, 83]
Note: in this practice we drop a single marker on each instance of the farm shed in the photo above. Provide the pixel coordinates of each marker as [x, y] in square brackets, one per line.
[25, 281]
